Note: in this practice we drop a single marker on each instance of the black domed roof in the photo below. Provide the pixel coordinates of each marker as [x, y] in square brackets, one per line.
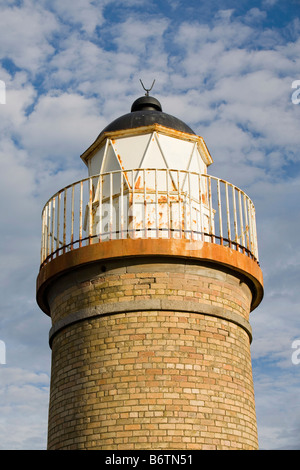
[144, 112]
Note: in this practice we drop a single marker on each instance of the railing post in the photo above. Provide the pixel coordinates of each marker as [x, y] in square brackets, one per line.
[255, 233]
[210, 211]
[241, 221]
[110, 205]
[90, 210]
[132, 206]
[80, 213]
[65, 222]
[246, 222]
[43, 237]
[72, 217]
[201, 208]
[168, 203]
[53, 226]
[220, 213]
[145, 205]
[156, 204]
[179, 203]
[48, 229]
[190, 204]
[228, 214]
[100, 206]
[58, 222]
[235, 216]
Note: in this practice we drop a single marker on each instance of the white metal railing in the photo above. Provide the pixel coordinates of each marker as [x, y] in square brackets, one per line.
[148, 203]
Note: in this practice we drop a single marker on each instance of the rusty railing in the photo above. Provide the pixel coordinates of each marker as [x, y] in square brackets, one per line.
[148, 203]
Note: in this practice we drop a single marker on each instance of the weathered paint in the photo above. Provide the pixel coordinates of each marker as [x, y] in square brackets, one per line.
[101, 142]
[148, 203]
[148, 149]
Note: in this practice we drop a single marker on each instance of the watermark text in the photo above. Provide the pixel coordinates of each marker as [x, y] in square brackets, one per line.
[296, 94]
[296, 353]
[2, 352]
[2, 92]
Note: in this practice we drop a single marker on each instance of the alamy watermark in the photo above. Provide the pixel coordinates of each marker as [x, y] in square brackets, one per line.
[2, 92]
[2, 352]
[296, 353]
[296, 94]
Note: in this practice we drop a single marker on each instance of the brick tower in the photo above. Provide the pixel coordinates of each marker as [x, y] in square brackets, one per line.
[149, 271]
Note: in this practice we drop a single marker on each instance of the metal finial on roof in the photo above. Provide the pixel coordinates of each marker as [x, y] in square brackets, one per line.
[147, 89]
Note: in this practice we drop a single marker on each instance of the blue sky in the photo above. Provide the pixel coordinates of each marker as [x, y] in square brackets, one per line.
[226, 68]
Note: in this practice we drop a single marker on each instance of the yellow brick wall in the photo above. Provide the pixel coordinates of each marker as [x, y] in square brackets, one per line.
[151, 378]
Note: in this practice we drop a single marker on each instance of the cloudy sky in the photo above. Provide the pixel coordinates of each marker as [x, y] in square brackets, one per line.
[226, 68]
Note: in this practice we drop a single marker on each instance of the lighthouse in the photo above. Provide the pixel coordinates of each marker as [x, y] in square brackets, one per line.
[149, 271]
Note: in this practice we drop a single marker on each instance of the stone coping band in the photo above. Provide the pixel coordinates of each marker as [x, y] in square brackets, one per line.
[204, 252]
[149, 305]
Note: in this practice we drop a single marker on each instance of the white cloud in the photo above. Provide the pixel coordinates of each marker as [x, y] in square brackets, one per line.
[87, 14]
[61, 126]
[24, 399]
[275, 424]
[25, 33]
[20, 94]
[140, 37]
[255, 14]
[267, 3]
